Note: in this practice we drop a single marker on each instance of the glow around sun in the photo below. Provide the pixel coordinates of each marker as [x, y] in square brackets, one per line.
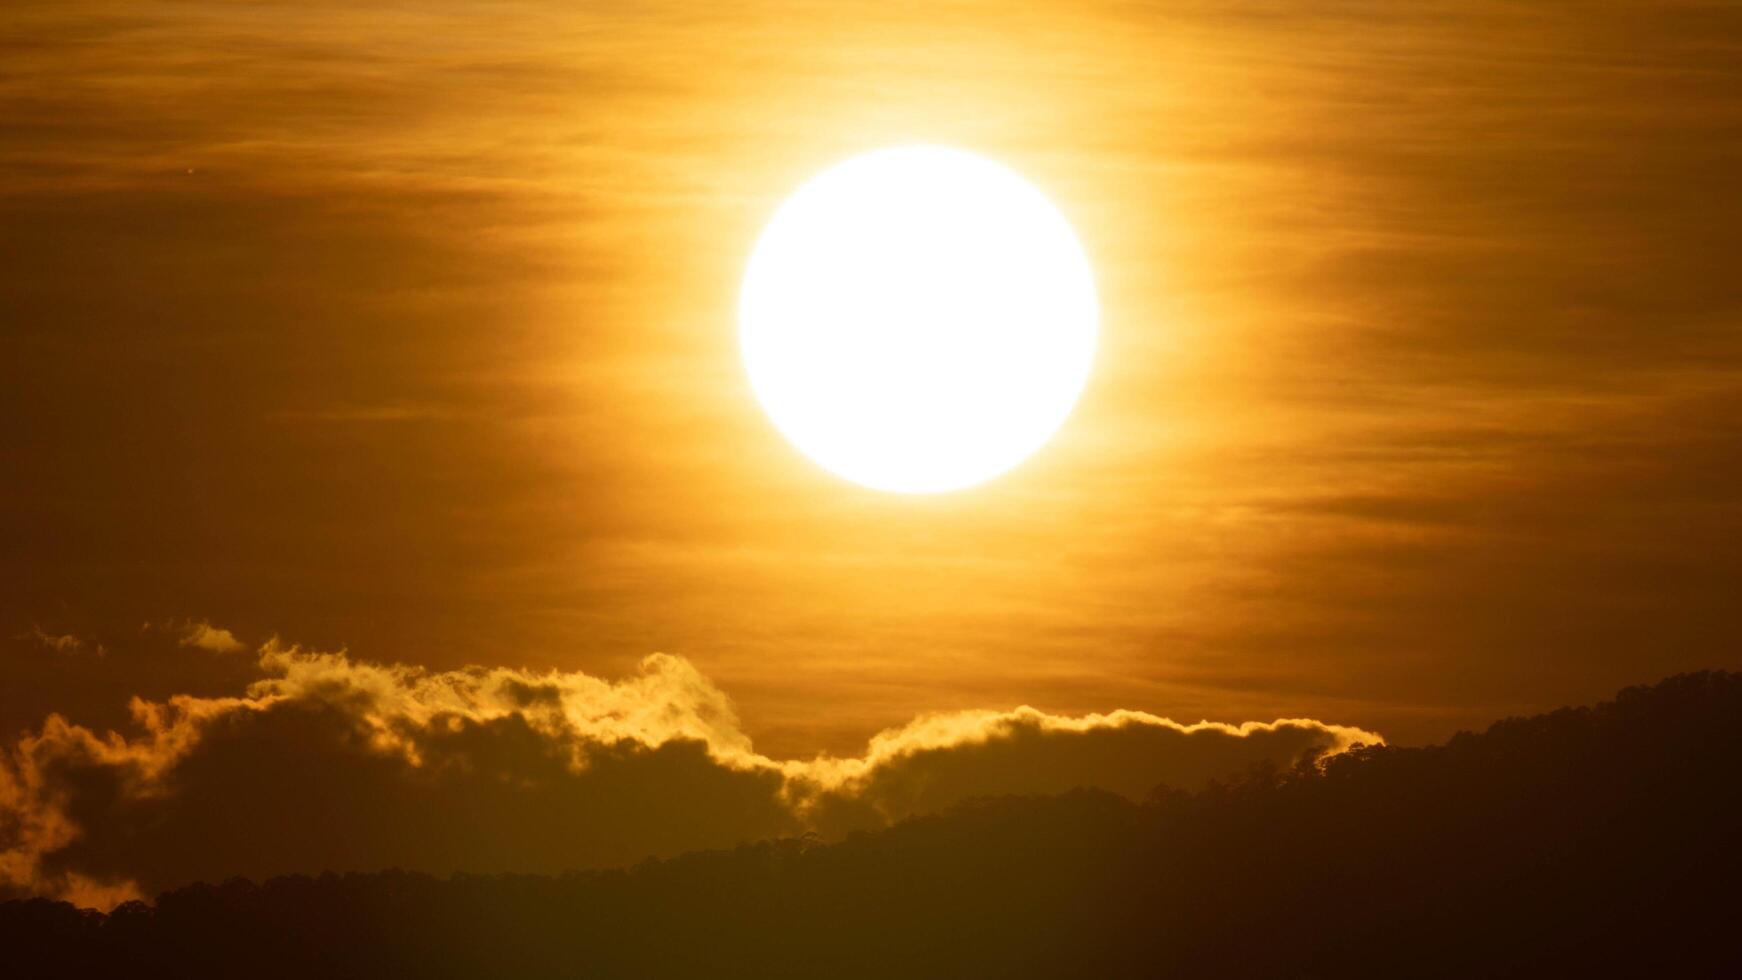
[918, 319]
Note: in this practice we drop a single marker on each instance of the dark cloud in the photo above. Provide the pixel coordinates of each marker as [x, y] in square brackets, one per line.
[327, 763]
[938, 762]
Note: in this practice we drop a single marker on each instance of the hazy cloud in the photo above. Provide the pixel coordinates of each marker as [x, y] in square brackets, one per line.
[201, 634]
[331, 763]
[62, 642]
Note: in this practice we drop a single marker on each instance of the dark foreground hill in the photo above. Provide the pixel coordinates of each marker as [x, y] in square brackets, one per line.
[1592, 841]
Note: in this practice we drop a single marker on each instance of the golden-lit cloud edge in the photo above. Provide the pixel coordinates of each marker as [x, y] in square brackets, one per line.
[327, 762]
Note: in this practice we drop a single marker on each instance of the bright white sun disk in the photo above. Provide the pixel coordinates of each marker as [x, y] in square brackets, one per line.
[918, 319]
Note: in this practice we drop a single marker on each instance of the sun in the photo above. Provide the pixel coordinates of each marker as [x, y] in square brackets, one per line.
[918, 319]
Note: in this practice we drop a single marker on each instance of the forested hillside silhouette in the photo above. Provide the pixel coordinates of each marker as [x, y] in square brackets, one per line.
[1595, 841]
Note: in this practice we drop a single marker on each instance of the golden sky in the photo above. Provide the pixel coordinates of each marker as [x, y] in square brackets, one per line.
[409, 329]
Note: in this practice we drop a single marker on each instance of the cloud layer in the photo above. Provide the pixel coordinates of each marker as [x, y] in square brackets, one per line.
[412, 327]
[332, 763]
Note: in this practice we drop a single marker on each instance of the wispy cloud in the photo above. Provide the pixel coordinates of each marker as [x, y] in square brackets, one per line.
[66, 643]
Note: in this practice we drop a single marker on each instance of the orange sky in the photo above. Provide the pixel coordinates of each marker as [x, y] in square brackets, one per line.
[410, 330]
